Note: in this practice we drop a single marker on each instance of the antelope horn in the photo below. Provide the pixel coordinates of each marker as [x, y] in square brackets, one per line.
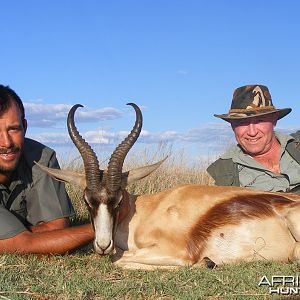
[115, 164]
[90, 161]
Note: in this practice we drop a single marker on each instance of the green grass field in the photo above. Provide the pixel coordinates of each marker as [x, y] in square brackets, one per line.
[84, 275]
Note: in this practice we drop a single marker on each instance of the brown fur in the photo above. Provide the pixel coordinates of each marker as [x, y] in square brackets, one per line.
[187, 225]
[232, 212]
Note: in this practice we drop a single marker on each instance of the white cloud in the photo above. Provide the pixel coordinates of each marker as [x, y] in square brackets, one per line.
[182, 72]
[51, 138]
[52, 115]
[209, 135]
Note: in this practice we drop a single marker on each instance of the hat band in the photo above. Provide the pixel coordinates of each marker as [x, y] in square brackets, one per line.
[244, 110]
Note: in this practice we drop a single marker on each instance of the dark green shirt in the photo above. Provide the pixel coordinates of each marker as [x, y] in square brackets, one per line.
[32, 196]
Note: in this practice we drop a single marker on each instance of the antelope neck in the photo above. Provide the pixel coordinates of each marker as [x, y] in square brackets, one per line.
[124, 207]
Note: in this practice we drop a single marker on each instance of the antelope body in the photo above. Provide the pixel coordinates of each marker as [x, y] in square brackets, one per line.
[191, 225]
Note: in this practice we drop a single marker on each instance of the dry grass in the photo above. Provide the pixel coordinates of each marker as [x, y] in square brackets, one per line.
[176, 170]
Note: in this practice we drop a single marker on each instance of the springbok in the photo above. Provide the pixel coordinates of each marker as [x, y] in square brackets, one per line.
[190, 225]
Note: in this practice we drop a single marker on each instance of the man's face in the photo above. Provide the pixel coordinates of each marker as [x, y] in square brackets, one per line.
[256, 134]
[12, 133]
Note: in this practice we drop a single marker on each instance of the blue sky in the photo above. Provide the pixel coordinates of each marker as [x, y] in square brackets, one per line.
[179, 60]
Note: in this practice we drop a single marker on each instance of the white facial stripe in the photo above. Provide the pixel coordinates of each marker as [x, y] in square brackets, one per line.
[103, 227]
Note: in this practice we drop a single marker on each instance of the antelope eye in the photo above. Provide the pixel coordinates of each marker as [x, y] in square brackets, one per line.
[118, 203]
[87, 203]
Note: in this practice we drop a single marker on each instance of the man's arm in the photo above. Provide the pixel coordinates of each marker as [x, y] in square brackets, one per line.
[49, 226]
[57, 241]
[224, 172]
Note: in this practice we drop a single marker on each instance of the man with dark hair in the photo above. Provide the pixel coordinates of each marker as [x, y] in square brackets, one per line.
[34, 209]
[263, 159]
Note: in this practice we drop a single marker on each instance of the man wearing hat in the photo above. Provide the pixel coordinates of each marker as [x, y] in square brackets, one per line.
[262, 159]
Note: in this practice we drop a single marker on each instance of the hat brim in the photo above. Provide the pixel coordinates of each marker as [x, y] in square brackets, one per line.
[250, 114]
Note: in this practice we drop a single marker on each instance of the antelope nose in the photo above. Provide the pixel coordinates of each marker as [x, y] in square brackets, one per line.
[103, 249]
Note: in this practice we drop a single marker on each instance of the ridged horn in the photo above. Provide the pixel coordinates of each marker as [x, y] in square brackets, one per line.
[115, 164]
[90, 161]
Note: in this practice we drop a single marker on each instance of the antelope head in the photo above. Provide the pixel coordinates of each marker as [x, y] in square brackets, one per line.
[103, 190]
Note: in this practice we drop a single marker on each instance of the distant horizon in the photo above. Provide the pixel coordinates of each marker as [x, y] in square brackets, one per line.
[195, 152]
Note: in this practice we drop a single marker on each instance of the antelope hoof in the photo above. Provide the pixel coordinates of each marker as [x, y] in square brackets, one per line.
[209, 263]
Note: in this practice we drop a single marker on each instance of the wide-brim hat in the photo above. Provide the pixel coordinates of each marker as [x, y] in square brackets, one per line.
[251, 101]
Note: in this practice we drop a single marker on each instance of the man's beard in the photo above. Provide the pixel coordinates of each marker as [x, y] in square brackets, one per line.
[7, 170]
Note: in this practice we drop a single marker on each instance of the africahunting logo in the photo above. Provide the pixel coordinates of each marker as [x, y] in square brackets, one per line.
[281, 284]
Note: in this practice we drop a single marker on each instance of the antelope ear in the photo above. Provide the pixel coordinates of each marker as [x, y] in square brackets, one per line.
[65, 176]
[139, 173]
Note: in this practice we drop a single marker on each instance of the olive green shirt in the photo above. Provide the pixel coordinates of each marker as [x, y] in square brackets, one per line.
[254, 175]
[32, 196]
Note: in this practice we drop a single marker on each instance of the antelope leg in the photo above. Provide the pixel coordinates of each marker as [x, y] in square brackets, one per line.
[148, 258]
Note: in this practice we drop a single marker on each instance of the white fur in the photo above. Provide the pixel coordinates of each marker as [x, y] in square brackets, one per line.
[103, 230]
